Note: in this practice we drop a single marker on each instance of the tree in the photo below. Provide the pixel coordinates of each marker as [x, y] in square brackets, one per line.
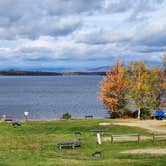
[113, 88]
[164, 70]
[144, 86]
[163, 102]
[154, 84]
[164, 63]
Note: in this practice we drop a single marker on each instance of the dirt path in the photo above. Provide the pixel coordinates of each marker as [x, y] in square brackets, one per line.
[156, 126]
[160, 151]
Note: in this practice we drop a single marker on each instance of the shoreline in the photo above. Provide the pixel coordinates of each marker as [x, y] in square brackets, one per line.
[56, 119]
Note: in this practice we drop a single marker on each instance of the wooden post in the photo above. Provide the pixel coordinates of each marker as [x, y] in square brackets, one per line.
[153, 137]
[111, 139]
[138, 138]
[98, 138]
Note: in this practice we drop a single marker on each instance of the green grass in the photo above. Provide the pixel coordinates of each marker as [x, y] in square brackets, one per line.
[35, 144]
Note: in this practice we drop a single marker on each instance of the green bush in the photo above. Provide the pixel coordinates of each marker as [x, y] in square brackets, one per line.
[66, 116]
[115, 114]
[123, 113]
[127, 112]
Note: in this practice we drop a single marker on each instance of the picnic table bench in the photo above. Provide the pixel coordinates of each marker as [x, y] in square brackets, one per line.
[125, 135]
[8, 120]
[89, 117]
[95, 131]
[69, 144]
[77, 133]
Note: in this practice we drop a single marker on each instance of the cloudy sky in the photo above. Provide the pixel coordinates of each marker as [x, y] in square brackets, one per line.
[51, 34]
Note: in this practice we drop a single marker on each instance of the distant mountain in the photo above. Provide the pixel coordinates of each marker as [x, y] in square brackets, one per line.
[100, 69]
[107, 68]
[63, 70]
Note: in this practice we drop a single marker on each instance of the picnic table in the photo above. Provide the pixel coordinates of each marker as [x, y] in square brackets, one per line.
[69, 144]
[77, 133]
[95, 131]
[8, 120]
[89, 117]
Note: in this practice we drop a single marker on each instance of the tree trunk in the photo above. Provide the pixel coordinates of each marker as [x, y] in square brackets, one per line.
[139, 79]
[139, 113]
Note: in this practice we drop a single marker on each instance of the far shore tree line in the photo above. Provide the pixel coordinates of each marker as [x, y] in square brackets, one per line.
[136, 85]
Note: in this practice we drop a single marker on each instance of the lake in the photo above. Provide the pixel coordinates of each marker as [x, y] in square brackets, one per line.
[48, 97]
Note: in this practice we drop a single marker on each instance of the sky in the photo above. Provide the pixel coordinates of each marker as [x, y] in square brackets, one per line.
[80, 34]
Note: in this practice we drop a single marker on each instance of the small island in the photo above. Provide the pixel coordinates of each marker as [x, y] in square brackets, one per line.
[47, 73]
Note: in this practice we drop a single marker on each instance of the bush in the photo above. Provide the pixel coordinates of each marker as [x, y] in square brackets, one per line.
[66, 116]
[127, 113]
[115, 114]
[121, 113]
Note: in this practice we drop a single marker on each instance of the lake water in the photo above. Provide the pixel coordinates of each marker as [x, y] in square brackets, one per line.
[49, 97]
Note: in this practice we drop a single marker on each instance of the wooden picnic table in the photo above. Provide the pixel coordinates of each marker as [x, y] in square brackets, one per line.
[8, 120]
[71, 144]
[77, 133]
[89, 117]
[95, 131]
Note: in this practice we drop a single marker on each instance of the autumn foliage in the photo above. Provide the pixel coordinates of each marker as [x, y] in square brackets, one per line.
[113, 87]
[137, 84]
[164, 74]
[164, 85]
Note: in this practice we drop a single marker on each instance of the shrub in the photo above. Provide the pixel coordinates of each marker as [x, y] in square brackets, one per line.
[127, 112]
[66, 116]
[115, 114]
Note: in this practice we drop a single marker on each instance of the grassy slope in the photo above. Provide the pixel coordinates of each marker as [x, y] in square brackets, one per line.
[35, 143]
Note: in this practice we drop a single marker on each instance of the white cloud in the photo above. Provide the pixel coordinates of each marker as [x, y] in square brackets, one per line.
[81, 33]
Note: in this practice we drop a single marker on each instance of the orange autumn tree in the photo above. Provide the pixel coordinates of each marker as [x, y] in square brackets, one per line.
[113, 88]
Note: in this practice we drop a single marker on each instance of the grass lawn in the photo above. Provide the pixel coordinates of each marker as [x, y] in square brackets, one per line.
[35, 144]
